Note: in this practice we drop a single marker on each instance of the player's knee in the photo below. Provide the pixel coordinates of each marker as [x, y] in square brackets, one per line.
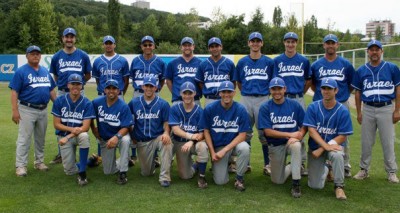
[84, 140]
[202, 152]
[125, 142]
[243, 149]
[220, 181]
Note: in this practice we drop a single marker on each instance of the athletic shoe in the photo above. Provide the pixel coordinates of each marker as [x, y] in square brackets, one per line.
[41, 167]
[361, 175]
[21, 171]
[347, 173]
[248, 170]
[132, 161]
[296, 192]
[165, 183]
[82, 181]
[122, 179]
[57, 159]
[303, 170]
[267, 170]
[392, 177]
[340, 193]
[232, 168]
[157, 162]
[202, 182]
[239, 185]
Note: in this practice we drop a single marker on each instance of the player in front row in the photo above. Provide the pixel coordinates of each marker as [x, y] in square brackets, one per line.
[188, 137]
[281, 119]
[225, 125]
[329, 125]
[114, 121]
[73, 114]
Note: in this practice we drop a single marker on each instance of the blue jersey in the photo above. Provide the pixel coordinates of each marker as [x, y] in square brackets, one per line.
[72, 114]
[294, 71]
[111, 119]
[340, 69]
[149, 118]
[224, 125]
[212, 73]
[285, 117]
[104, 69]
[377, 84]
[254, 75]
[179, 71]
[32, 86]
[187, 121]
[328, 123]
[140, 68]
[63, 65]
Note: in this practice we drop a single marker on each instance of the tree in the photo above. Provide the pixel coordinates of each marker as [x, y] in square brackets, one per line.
[256, 23]
[150, 27]
[113, 18]
[292, 23]
[277, 17]
[378, 33]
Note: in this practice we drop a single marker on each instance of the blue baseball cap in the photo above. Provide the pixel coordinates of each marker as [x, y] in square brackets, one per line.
[188, 86]
[108, 38]
[187, 40]
[277, 82]
[214, 40]
[69, 30]
[331, 37]
[147, 38]
[150, 80]
[113, 83]
[291, 35]
[255, 35]
[226, 86]
[374, 43]
[75, 78]
[329, 82]
[32, 48]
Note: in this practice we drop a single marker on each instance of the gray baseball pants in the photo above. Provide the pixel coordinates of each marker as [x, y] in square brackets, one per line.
[317, 170]
[184, 159]
[109, 156]
[68, 151]
[279, 170]
[252, 105]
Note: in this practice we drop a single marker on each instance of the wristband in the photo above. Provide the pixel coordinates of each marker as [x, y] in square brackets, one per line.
[119, 136]
[332, 142]
[189, 136]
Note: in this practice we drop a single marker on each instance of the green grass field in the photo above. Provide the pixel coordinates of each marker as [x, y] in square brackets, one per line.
[53, 191]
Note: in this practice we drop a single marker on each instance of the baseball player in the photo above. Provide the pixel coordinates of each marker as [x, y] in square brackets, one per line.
[377, 83]
[188, 138]
[114, 121]
[183, 69]
[213, 71]
[111, 65]
[294, 69]
[225, 125]
[152, 132]
[73, 114]
[281, 119]
[253, 73]
[31, 89]
[65, 62]
[329, 124]
[340, 69]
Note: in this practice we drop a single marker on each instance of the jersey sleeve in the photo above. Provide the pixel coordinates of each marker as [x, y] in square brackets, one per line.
[95, 69]
[396, 75]
[301, 114]
[173, 119]
[17, 81]
[56, 110]
[125, 68]
[310, 117]
[236, 74]
[169, 71]
[165, 112]
[232, 70]
[53, 65]
[307, 69]
[345, 126]
[244, 125]
[356, 82]
[350, 73]
[264, 121]
[88, 64]
[200, 127]
[200, 73]
[89, 111]
[126, 118]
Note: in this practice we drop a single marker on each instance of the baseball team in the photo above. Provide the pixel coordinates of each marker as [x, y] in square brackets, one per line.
[272, 99]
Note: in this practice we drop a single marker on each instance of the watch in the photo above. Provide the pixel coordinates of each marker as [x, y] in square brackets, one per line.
[119, 136]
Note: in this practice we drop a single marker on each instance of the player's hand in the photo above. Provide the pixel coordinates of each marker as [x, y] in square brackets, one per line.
[220, 154]
[63, 141]
[16, 117]
[214, 157]
[292, 141]
[187, 146]
[196, 137]
[396, 116]
[359, 118]
[297, 135]
[317, 153]
[165, 139]
[76, 131]
[333, 147]
[112, 142]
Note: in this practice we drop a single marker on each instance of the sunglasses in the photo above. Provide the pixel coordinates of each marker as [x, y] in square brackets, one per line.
[147, 45]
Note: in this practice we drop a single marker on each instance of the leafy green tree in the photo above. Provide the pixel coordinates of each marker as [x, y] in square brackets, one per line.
[256, 23]
[378, 33]
[277, 17]
[113, 18]
[25, 36]
[150, 27]
[167, 48]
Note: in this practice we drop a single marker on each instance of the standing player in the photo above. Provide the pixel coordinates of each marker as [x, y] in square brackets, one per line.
[183, 69]
[114, 121]
[152, 132]
[225, 125]
[188, 138]
[377, 83]
[213, 71]
[31, 89]
[340, 69]
[281, 119]
[65, 62]
[329, 124]
[73, 114]
[253, 73]
[147, 64]
[294, 69]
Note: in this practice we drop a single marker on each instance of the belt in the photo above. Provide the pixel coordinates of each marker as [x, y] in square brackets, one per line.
[102, 93]
[139, 90]
[378, 104]
[211, 96]
[257, 95]
[64, 90]
[34, 106]
[293, 95]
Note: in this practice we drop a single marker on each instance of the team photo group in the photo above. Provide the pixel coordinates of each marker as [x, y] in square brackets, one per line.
[296, 140]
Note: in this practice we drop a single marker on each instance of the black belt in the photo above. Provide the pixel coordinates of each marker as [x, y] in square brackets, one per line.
[139, 90]
[378, 104]
[34, 106]
[257, 95]
[293, 95]
[64, 90]
[102, 93]
[212, 96]
[196, 98]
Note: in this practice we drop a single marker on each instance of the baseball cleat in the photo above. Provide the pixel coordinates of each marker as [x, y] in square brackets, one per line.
[57, 159]
[392, 177]
[82, 181]
[202, 182]
[303, 170]
[347, 173]
[122, 179]
[41, 167]
[21, 171]
[239, 185]
[165, 183]
[248, 170]
[267, 170]
[232, 168]
[132, 161]
[361, 175]
[340, 193]
[296, 192]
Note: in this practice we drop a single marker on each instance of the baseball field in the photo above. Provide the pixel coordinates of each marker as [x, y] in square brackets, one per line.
[53, 191]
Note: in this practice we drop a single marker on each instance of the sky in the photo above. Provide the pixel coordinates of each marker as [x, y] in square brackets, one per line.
[341, 14]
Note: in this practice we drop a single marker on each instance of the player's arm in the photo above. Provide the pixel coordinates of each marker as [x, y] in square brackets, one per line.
[332, 145]
[238, 139]
[97, 81]
[14, 107]
[53, 95]
[278, 134]
[396, 112]
[113, 141]
[181, 133]
[126, 84]
[201, 85]
[208, 139]
[307, 86]
[169, 84]
[239, 85]
[162, 82]
[95, 130]
[165, 138]
[357, 98]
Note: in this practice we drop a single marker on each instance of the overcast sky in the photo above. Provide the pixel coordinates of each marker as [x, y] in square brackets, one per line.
[343, 14]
